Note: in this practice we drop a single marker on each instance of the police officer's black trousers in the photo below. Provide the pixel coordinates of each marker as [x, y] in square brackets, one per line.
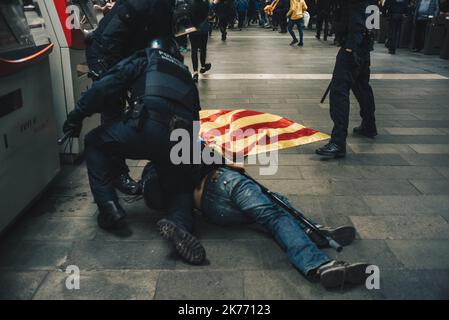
[345, 78]
[116, 107]
[322, 18]
[122, 139]
[394, 33]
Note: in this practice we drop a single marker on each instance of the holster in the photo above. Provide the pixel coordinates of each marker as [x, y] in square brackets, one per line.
[136, 115]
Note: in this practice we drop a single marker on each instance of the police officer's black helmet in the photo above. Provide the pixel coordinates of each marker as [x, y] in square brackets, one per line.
[188, 15]
[168, 45]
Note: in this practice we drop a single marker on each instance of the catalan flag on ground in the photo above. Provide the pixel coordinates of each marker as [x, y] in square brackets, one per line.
[247, 132]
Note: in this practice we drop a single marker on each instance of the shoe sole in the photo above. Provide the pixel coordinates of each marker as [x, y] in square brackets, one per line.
[188, 246]
[343, 235]
[338, 277]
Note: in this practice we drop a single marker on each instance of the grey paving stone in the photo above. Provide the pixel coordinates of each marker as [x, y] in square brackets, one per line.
[330, 172]
[100, 285]
[29, 255]
[375, 160]
[427, 159]
[430, 148]
[230, 255]
[71, 206]
[444, 171]
[288, 285]
[140, 255]
[415, 284]
[207, 285]
[62, 229]
[415, 131]
[421, 254]
[431, 186]
[137, 229]
[399, 172]
[381, 148]
[282, 172]
[405, 205]
[401, 227]
[330, 205]
[20, 285]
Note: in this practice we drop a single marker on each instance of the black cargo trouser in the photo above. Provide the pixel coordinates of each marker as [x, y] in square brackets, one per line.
[116, 107]
[345, 78]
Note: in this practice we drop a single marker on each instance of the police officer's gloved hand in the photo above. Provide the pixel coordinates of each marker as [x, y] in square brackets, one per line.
[73, 124]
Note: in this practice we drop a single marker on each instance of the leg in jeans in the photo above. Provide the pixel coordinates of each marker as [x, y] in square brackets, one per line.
[301, 33]
[290, 29]
[233, 197]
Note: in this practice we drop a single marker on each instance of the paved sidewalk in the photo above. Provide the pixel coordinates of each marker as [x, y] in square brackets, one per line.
[394, 190]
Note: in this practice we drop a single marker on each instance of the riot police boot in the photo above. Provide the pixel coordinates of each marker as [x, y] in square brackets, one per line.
[344, 235]
[111, 215]
[187, 245]
[127, 185]
[331, 150]
[365, 131]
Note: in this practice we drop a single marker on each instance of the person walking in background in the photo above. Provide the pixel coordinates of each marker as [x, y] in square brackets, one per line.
[241, 6]
[424, 11]
[223, 10]
[280, 12]
[394, 10]
[295, 18]
[323, 12]
[198, 42]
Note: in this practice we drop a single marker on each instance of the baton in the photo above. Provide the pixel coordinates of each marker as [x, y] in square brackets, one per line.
[65, 137]
[326, 92]
[297, 214]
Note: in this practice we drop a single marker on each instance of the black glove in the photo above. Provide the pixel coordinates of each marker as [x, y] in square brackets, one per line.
[73, 124]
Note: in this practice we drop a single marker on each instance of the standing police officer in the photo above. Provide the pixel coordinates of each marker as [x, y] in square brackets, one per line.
[126, 28]
[351, 71]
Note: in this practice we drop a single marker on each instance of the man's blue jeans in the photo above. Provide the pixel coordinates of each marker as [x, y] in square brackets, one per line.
[231, 198]
[298, 24]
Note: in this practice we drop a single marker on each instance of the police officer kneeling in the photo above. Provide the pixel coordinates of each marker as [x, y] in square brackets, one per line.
[351, 72]
[164, 97]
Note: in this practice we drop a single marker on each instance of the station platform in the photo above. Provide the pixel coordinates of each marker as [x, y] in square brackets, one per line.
[393, 189]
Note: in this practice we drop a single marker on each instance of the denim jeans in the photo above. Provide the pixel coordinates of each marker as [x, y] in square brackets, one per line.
[231, 198]
[298, 24]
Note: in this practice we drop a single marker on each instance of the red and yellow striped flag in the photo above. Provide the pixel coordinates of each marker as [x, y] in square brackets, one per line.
[247, 132]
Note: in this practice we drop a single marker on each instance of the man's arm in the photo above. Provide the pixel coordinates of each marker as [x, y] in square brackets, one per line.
[114, 83]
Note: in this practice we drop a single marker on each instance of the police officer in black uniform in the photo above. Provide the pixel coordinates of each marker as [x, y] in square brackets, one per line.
[126, 28]
[351, 71]
[164, 97]
[395, 11]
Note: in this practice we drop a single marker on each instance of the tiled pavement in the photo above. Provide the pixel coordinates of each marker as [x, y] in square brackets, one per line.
[394, 190]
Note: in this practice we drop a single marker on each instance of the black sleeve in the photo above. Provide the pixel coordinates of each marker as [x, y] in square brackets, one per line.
[113, 84]
[356, 26]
